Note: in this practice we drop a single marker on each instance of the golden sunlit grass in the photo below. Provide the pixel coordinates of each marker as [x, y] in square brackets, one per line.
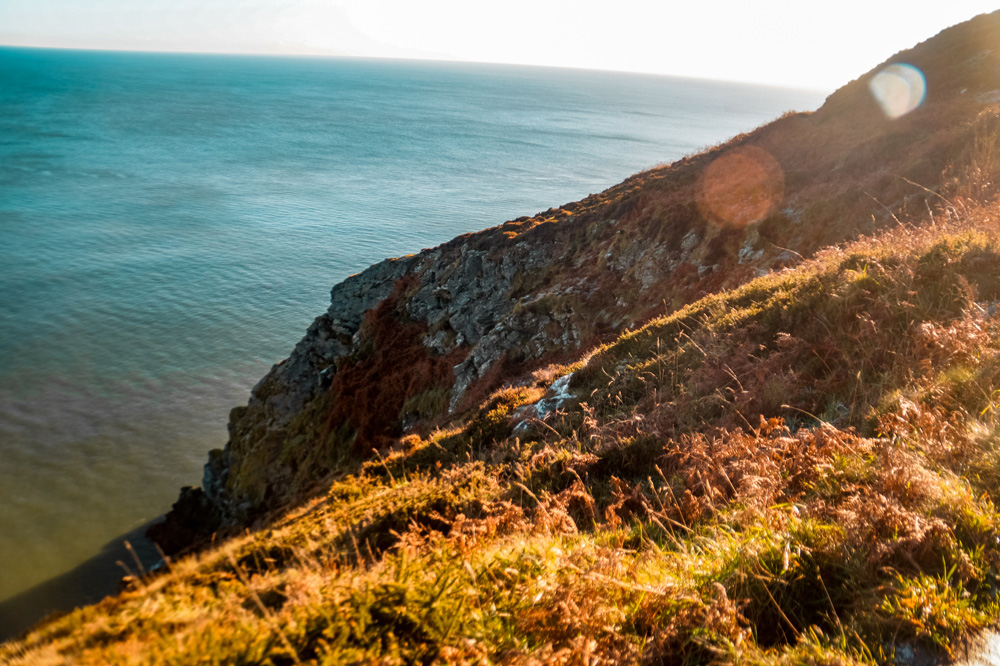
[801, 470]
[657, 242]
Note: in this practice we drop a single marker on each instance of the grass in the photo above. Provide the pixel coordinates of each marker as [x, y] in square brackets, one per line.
[733, 488]
[802, 468]
[654, 244]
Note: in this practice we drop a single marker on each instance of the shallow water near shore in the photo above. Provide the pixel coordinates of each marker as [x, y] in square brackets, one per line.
[171, 224]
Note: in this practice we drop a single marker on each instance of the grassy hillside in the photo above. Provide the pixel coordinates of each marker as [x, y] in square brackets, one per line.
[800, 470]
[676, 439]
[460, 321]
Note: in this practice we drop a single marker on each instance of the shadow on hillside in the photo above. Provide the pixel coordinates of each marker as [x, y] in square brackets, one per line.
[88, 583]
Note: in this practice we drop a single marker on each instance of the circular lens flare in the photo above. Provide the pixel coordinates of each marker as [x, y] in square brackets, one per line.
[898, 89]
[741, 187]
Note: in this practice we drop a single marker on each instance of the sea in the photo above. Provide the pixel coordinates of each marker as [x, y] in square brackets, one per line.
[170, 224]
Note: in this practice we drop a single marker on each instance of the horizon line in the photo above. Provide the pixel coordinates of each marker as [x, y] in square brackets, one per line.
[319, 53]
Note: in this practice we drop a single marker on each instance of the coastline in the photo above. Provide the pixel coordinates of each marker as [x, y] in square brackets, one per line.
[85, 584]
[125, 344]
[400, 488]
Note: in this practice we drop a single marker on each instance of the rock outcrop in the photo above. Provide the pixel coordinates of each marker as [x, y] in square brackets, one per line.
[412, 342]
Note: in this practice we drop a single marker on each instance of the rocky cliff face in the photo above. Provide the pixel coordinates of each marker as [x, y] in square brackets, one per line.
[412, 342]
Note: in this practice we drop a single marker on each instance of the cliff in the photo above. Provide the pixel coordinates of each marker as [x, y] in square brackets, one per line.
[738, 409]
[413, 342]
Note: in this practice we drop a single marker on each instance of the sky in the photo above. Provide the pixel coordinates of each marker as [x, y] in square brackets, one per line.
[791, 43]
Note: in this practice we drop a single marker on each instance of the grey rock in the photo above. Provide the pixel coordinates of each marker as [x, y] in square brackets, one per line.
[493, 295]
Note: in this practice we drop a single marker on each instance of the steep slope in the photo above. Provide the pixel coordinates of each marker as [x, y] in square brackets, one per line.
[682, 421]
[801, 470]
[413, 342]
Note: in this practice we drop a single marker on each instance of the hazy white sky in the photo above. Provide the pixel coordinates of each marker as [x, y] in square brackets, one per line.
[785, 42]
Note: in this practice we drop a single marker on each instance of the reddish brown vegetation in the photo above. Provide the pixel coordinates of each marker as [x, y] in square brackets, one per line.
[369, 390]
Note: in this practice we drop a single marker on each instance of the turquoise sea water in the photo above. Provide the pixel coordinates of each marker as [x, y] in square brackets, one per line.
[170, 224]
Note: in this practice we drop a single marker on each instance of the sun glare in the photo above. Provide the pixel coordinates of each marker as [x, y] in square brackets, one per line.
[898, 89]
[741, 187]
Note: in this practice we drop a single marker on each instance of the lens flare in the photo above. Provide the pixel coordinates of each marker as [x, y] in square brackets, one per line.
[741, 187]
[898, 89]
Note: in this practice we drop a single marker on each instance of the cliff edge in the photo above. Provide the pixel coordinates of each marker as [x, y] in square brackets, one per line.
[411, 342]
[741, 409]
